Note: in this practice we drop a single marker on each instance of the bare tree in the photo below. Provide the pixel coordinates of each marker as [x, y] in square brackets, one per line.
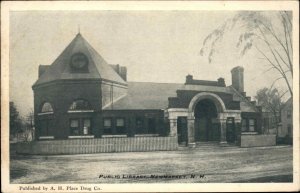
[269, 33]
[29, 129]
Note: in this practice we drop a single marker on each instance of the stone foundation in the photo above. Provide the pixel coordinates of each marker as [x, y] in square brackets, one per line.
[258, 140]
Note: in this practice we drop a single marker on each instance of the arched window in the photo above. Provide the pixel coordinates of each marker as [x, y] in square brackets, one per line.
[46, 108]
[81, 105]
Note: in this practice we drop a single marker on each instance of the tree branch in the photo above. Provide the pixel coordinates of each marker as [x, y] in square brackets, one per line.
[278, 69]
[275, 81]
[278, 40]
[285, 34]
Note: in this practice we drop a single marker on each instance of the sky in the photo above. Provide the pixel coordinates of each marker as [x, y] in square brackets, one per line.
[155, 46]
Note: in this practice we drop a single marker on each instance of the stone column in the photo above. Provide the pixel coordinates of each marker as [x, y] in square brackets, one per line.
[191, 131]
[223, 140]
[173, 128]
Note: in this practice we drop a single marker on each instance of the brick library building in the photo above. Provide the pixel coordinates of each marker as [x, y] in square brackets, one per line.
[82, 104]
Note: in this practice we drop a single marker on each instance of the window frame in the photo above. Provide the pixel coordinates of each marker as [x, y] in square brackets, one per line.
[121, 129]
[252, 125]
[72, 128]
[73, 109]
[41, 112]
[106, 129]
[140, 127]
[247, 126]
[151, 130]
[88, 128]
[48, 123]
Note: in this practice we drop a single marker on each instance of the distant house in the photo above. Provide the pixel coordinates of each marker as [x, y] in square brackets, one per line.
[269, 122]
[286, 127]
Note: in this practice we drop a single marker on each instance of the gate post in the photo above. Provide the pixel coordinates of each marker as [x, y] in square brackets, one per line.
[222, 118]
[191, 131]
[173, 127]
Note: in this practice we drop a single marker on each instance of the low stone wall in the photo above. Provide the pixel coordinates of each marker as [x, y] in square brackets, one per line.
[258, 140]
[100, 145]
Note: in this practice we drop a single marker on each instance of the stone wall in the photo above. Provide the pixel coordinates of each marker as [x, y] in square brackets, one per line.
[257, 140]
[101, 145]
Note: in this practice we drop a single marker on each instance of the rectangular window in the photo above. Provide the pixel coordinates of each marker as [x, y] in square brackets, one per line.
[139, 122]
[251, 125]
[107, 125]
[86, 126]
[45, 127]
[120, 125]
[120, 122]
[74, 125]
[151, 126]
[244, 125]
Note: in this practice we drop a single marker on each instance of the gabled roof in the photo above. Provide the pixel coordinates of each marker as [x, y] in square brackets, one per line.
[288, 103]
[146, 95]
[150, 95]
[245, 104]
[97, 66]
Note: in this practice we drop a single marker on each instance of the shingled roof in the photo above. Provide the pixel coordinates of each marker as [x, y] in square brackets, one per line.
[150, 95]
[146, 95]
[98, 68]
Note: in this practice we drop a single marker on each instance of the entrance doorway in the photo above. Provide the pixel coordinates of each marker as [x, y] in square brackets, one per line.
[206, 126]
[182, 130]
[230, 130]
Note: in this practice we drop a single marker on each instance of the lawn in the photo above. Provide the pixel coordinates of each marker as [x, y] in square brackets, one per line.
[213, 164]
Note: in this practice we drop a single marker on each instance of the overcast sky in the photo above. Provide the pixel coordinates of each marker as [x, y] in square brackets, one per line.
[156, 46]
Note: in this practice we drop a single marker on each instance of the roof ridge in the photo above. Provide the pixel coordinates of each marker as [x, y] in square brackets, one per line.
[154, 82]
[86, 43]
[244, 98]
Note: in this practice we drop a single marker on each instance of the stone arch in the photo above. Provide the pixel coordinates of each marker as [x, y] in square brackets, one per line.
[205, 95]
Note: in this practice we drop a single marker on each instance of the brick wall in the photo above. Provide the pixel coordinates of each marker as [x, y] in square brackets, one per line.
[61, 95]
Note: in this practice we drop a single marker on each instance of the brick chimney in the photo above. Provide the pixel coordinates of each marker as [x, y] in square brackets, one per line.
[237, 74]
[221, 81]
[188, 79]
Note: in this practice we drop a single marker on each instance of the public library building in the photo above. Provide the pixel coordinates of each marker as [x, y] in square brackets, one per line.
[81, 99]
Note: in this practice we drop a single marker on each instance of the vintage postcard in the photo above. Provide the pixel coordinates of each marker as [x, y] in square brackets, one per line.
[139, 96]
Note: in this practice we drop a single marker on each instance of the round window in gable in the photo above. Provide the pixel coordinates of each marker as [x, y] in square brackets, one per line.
[79, 62]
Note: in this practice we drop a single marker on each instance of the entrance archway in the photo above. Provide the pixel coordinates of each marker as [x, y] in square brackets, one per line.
[207, 128]
[206, 120]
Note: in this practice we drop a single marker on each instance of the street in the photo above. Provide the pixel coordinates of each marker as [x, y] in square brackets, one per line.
[199, 165]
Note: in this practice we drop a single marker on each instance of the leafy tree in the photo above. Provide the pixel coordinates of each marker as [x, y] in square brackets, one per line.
[15, 122]
[270, 100]
[269, 33]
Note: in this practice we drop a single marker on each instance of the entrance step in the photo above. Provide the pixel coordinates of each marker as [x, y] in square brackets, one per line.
[212, 144]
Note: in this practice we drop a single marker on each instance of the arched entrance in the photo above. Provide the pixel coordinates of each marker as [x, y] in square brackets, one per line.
[206, 118]
[207, 128]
